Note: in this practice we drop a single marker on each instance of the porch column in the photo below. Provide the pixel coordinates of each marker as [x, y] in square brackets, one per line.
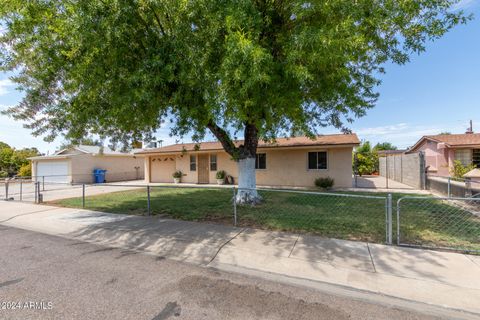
[451, 158]
[147, 169]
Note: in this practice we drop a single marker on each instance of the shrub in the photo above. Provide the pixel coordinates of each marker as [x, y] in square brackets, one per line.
[177, 174]
[25, 170]
[459, 170]
[3, 174]
[324, 183]
[221, 174]
[367, 163]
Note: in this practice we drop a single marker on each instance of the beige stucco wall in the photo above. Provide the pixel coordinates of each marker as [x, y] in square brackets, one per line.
[119, 168]
[285, 167]
[290, 168]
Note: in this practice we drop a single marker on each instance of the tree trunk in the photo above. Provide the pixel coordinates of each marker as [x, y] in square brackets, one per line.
[245, 156]
[247, 182]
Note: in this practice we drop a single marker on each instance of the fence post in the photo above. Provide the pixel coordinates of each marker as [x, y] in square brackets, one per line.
[83, 195]
[389, 219]
[21, 188]
[6, 189]
[449, 190]
[386, 170]
[398, 222]
[148, 201]
[43, 183]
[234, 207]
[37, 191]
[355, 169]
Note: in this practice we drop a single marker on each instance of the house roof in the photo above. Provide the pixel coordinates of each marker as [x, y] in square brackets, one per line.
[321, 140]
[475, 173]
[452, 140]
[84, 149]
[95, 150]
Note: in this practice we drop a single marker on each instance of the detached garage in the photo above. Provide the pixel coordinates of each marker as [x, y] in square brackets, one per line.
[76, 165]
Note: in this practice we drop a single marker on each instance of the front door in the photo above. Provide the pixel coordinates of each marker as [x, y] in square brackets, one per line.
[203, 168]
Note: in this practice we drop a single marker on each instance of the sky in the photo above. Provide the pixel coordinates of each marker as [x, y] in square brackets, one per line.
[437, 91]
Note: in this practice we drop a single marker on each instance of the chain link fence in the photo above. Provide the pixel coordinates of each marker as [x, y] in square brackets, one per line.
[337, 215]
[444, 223]
[429, 222]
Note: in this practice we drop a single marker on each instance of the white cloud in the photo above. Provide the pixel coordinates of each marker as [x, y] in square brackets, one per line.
[5, 86]
[404, 135]
[464, 4]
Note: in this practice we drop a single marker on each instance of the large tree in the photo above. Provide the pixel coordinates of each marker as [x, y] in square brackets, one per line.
[121, 68]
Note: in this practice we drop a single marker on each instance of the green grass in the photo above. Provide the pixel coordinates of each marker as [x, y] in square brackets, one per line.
[426, 221]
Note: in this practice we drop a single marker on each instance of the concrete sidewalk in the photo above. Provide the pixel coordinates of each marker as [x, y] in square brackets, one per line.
[437, 278]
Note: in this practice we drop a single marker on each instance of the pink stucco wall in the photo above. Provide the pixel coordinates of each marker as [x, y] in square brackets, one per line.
[438, 160]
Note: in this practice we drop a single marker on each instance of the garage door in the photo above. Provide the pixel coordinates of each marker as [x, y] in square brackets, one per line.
[162, 168]
[53, 171]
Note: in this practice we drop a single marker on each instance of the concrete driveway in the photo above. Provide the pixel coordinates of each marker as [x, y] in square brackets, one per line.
[419, 276]
[55, 191]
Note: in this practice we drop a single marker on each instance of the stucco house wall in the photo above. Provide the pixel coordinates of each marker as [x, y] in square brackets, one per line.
[119, 168]
[436, 159]
[442, 150]
[284, 167]
[80, 165]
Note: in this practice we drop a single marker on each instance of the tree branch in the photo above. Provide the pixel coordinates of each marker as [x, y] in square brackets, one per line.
[224, 139]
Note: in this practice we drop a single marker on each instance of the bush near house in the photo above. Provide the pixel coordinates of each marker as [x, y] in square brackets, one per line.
[366, 157]
[459, 169]
[25, 170]
[324, 183]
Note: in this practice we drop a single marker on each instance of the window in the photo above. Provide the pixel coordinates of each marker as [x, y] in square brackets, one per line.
[317, 160]
[213, 162]
[261, 161]
[193, 163]
[464, 156]
[476, 157]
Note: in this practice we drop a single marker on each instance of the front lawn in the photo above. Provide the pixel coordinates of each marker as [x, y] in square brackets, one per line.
[331, 215]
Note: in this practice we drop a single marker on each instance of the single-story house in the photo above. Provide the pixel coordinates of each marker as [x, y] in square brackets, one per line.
[76, 165]
[443, 149]
[294, 162]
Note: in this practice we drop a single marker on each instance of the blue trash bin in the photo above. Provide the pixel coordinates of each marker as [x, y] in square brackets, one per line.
[99, 175]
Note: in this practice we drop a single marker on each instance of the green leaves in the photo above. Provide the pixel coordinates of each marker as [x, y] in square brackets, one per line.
[121, 68]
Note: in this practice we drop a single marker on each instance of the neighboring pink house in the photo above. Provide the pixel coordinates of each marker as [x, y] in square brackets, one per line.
[441, 151]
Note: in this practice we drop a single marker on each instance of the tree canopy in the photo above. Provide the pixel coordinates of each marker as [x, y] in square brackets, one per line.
[384, 146]
[75, 142]
[121, 69]
[12, 160]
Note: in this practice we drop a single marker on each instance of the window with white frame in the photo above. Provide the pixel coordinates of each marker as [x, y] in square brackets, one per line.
[213, 162]
[193, 163]
[464, 156]
[317, 160]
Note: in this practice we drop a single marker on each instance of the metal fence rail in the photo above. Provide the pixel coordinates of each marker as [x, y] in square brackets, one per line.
[453, 187]
[428, 222]
[443, 223]
[338, 215]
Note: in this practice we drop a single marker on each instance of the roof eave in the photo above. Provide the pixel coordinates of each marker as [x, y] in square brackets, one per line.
[259, 148]
[52, 157]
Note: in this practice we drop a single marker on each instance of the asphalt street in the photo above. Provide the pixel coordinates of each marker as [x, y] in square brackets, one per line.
[48, 277]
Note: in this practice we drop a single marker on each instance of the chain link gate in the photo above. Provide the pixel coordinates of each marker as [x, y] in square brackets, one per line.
[439, 223]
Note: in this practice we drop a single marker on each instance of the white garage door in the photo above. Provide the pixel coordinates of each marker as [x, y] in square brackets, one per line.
[53, 171]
